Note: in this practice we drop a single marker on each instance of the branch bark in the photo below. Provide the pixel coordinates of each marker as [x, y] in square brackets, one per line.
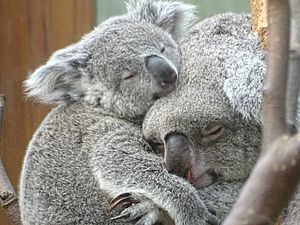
[294, 67]
[8, 197]
[274, 93]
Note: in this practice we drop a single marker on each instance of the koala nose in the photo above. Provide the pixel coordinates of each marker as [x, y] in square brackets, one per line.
[179, 156]
[161, 70]
[180, 159]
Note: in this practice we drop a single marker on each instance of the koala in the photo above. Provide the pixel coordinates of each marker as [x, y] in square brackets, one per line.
[90, 148]
[210, 127]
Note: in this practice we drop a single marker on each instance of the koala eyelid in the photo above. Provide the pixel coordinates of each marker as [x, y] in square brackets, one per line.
[128, 76]
[163, 49]
[213, 133]
[157, 145]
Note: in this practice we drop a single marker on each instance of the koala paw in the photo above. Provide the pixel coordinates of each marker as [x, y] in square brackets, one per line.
[212, 219]
[139, 210]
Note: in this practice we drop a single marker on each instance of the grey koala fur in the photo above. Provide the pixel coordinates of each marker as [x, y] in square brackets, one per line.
[222, 76]
[223, 69]
[90, 148]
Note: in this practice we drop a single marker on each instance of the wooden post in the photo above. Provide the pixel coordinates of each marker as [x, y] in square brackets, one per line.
[30, 31]
[259, 14]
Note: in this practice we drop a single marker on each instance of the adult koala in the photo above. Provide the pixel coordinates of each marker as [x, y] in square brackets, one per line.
[91, 146]
[210, 126]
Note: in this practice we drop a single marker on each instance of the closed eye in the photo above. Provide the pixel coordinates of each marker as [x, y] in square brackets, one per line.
[128, 76]
[156, 146]
[213, 133]
[163, 49]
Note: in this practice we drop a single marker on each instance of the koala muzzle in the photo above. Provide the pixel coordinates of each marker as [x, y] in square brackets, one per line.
[180, 160]
[161, 70]
[179, 156]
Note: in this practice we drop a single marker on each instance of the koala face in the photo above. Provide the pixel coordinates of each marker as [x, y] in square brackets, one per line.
[134, 68]
[210, 126]
[123, 65]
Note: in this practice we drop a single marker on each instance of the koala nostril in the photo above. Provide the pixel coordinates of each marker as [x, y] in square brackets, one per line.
[173, 75]
[212, 174]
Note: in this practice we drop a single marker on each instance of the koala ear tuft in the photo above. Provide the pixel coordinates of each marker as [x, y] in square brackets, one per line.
[243, 87]
[174, 17]
[60, 80]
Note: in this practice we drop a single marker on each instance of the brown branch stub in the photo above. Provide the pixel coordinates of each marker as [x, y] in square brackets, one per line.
[8, 197]
[260, 20]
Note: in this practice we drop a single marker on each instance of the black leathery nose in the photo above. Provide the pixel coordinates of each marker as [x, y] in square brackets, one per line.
[177, 154]
[160, 69]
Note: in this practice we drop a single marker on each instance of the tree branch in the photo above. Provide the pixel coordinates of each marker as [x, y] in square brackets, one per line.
[274, 93]
[294, 67]
[8, 197]
[276, 174]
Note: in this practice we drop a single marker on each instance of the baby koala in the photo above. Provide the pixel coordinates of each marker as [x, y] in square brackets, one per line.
[91, 148]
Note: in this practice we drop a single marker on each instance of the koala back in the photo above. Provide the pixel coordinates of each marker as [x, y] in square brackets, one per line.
[109, 78]
[56, 185]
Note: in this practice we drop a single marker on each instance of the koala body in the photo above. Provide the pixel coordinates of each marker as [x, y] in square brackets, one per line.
[210, 125]
[91, 148]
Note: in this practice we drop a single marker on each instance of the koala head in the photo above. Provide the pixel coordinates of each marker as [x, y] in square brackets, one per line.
[210, 125]
[123, 65]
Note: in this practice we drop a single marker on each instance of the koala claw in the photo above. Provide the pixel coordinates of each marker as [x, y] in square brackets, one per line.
[122, 199]
[123, 215]
[213, 220]
[138, 212]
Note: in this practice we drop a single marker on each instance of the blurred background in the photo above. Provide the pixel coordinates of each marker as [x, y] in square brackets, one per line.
[30, 31]
[205, 8]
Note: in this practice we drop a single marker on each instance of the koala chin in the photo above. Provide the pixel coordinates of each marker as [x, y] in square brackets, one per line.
[90, 148]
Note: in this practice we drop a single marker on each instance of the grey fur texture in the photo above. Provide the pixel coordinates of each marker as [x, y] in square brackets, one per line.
[221, 84]
[223, 69]
[91, 148]
[93, 68]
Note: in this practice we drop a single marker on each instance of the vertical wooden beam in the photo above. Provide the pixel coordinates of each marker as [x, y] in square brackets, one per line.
[259, 14]
[31, 30]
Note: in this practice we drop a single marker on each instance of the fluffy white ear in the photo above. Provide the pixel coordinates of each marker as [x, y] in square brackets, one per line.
[174, 17]
[243, 87]
[60, 79]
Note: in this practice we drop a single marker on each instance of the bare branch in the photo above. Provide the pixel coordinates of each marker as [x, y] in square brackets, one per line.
[274, 124]
[8, 197]
[294, 67]
[272, 181]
